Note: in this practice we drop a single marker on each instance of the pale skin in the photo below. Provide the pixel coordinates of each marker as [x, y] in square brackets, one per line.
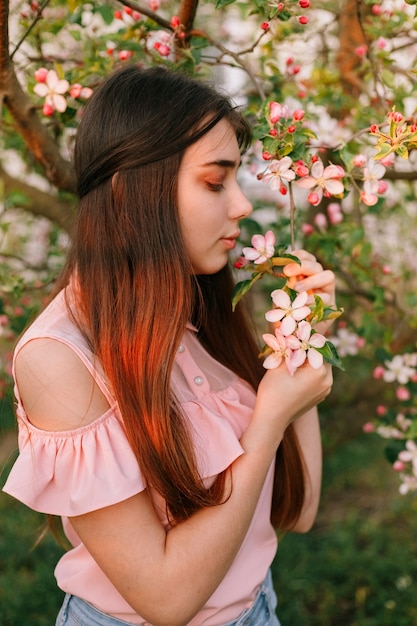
[143, 560]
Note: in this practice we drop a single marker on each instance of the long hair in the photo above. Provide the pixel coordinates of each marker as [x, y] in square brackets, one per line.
[135, 286]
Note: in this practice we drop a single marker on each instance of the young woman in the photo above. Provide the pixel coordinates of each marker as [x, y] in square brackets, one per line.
[146, 419]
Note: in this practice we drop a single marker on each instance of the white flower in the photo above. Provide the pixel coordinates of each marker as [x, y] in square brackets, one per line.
[396, 369]
[289, 312]
[346, 342]
[371, 175]
[52, 90]
[279, 170]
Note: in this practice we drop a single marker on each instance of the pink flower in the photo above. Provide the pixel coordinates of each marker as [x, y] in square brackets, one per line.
[52, 90]
[298, 115]
[359, 160]
[370, 199]
[320, 221]
[78, 91]
[279, 170]
[378, 372]
[335, 213]
[371, 175]
[398, 466]
[278, 344]
[305, 344]
[276, 111]
[323, 179]
[263, 248]
[287, 312]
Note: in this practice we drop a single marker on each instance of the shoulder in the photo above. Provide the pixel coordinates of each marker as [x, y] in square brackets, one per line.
[56, 389]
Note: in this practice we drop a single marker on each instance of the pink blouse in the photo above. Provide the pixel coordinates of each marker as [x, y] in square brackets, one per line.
[73, 472]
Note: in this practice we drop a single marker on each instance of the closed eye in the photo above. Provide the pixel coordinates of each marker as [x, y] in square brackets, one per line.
[215, 186]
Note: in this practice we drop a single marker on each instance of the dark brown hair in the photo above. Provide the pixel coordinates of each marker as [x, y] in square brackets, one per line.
[136, 286]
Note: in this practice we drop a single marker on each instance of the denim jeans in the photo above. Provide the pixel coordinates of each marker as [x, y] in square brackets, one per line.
[78, 612]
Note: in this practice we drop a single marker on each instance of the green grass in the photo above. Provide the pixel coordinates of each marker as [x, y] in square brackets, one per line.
[357, 567]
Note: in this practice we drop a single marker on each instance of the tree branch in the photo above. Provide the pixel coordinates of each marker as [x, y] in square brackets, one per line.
[41, 203]
[38, 140]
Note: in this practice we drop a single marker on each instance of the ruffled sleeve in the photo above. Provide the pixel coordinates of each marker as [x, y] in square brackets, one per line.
[74, 472]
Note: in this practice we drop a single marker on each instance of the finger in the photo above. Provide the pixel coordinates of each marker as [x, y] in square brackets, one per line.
[321, 280]
[307, 268]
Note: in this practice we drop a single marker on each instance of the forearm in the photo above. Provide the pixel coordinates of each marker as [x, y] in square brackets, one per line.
[307, 428]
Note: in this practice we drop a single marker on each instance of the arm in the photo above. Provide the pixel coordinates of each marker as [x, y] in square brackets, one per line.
[307, 429]
[142, 559]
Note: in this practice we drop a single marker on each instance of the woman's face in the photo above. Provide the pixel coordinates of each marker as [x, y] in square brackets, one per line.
[210, 201]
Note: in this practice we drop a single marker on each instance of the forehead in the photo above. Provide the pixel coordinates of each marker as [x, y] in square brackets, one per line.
[219, 143]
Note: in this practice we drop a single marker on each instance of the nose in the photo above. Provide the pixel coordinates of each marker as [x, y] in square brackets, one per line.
[240, 206]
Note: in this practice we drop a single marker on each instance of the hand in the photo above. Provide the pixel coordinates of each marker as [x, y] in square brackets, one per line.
[310, 276]
[282, 398]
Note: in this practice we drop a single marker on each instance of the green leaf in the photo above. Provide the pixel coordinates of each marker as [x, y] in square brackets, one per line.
[223, 3]
[330, 355]
[243, 287]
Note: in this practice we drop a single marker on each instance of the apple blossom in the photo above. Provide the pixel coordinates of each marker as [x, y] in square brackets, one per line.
[52, 90]
[279, 171]
[263, 248]
[323, 179]
[304, 344]
[346, 342]
[278, 344]
[409, 455]
[277, 111]
[398, 370]
[287, 312]
[371, 175]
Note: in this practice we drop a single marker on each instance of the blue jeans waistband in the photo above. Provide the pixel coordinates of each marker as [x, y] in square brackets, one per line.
[77, 612]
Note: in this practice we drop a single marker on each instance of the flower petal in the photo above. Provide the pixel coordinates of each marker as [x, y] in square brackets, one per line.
[288, 325]
[315, 358]
[272, 361]
[307, 182]
[334, 186]
[281, 299]
[274, 315]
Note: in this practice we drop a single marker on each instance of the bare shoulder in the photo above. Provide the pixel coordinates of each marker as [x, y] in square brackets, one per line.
[57, 390]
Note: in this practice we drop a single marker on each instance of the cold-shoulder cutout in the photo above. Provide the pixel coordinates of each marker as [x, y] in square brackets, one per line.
[56, 389]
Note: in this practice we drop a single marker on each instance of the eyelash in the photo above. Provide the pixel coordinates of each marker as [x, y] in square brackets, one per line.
[215, 186]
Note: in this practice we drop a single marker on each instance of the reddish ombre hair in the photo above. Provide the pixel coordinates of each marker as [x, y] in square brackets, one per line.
[136, 290]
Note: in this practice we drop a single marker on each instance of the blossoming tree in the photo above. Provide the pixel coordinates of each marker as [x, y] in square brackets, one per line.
[331, 93]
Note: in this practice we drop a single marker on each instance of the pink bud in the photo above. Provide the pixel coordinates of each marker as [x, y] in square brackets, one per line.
[164, 50]
[41, 75]
[307, 229]
[361, 50]
[283, 190]
[403, 394]
[296, 69]
[154, 4]
[320, 221]
[273, 132]
[381, 43]
[359, 160]
[75, 90]
[313, 198]
[368, 427]
[378, 372]
[118, 15]
[381, 410]
[303, 19]
[370, 199]
[298, 115]
[291, 129]
[382, 186]
[175, 21]
[374, 128]
[289, 61]
[127, 10]
[136, 16]
[335, 217]
[265, 26]
[398, 466]
[275, 112]
[48, 109]
[304, 4]
[301, 169]
[388, 160]
[376, 9]
[124, 54]
[386, 269]
[266, 155]
[314, 158]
